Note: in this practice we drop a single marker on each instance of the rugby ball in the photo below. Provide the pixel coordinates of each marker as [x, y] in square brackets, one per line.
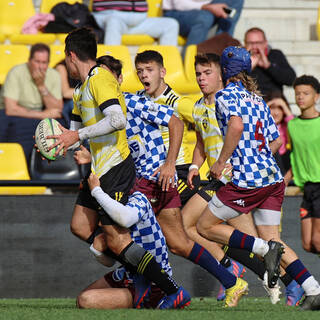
[47, 127]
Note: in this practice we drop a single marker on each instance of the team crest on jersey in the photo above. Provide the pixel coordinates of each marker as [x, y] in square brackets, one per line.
[205, 120]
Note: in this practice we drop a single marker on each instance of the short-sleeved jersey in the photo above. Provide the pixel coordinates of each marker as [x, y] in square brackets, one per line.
[147, 232]
[253, 163]
[20, 87]
[305, 150]
[207, 125]
[99, 91]
[144, 136]
[182, 107]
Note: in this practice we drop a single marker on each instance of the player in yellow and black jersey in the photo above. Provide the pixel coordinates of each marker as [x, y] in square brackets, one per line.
[99, 115]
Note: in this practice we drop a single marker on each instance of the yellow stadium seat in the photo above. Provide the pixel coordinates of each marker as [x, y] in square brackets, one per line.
[175, 76]
[11, 55]
[131, 82]
[154, 8]
[13, 166]
[56, 54]
[47, 5]
[191, 52]
[136, 39]
[13, 15]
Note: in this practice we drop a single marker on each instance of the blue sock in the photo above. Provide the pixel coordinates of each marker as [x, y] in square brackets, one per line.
[298, 271]
[199, 255]
[241, 240]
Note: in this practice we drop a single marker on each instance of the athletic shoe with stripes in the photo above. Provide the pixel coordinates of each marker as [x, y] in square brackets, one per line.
[177, 300]
[294, 293]
[142, 289]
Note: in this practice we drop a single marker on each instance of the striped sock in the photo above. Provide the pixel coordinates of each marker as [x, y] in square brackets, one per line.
[200, 256]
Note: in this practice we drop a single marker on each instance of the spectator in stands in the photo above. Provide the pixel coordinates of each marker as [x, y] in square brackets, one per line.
[130, 17]
[269, 66]
[305, 165]
[68, 85]
[31, 92]
[280, 110]
[197, 17]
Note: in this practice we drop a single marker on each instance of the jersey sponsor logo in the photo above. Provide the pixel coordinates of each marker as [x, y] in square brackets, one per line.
[239, 202]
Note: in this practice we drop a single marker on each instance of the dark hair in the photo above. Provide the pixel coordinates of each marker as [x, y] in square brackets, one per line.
[39, 47]
[149, 56]
[276, 94]
[207, 58]
[83, 43]
[255, 29]
[112, 63]
[308, 80]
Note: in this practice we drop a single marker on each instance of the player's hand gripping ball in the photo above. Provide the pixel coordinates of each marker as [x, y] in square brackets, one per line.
[47, 127]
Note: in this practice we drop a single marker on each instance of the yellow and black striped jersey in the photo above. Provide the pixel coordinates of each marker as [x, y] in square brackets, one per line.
[99, 91]
[183, 107]
[207, 125]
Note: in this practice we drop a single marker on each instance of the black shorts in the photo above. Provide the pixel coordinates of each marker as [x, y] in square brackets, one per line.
[207, 191]
[117, 183]
[310, 206]
[185, 192]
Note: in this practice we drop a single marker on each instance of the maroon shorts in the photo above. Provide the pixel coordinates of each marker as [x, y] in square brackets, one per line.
[245, 200]
[159, 199]
[150, 302]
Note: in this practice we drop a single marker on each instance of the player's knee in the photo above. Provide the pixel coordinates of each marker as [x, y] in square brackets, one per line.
[84, 300]
[181, 248]
[307, 246]
[202, 227]
[316, 243]
[79, 232]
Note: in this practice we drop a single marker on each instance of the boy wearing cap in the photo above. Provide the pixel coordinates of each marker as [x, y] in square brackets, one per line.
[250, 138]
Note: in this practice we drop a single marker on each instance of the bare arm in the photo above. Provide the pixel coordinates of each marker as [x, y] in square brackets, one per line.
[67, 91]
[49, 101]
[12, 108]
[197, 160]
[288, 176]
[167, 170]
[275, 145]
[233, 135]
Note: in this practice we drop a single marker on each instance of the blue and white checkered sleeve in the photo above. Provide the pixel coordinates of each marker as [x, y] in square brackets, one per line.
[273, 131]
[139, 201]
[228, 105]
[153, 112]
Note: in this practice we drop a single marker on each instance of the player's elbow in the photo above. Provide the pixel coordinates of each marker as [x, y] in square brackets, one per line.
[118, 120]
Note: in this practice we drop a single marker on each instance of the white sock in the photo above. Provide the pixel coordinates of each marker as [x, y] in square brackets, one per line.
[311, 286]
[260, 247]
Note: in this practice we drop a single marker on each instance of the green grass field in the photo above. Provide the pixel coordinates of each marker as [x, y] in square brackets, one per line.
[200, 309]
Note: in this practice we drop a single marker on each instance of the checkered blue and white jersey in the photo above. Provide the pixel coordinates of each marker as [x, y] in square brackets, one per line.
[147, 232]
[143, 133]
[253, 163]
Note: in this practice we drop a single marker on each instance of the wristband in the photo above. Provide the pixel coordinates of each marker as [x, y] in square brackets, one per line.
[193, 166]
